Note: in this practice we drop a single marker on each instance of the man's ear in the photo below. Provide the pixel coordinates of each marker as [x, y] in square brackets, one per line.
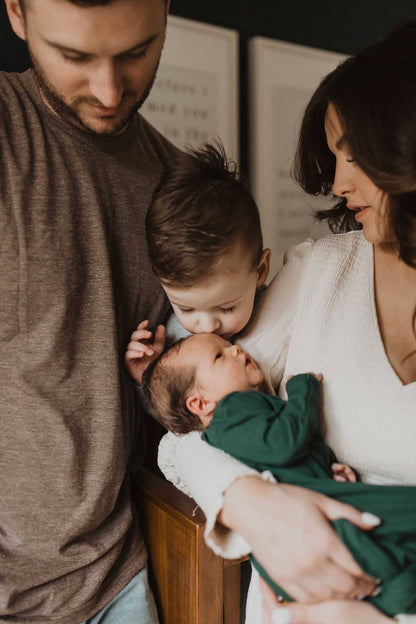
[16, 17]
[264, 267]
[201, 407]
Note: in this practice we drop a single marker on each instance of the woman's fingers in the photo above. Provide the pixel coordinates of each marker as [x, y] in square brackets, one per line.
[339, 612]
[334, 510]
[296, 541]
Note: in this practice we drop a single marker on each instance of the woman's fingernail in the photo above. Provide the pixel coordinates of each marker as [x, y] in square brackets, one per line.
[370, 519]
[281, 616]
[376, 592]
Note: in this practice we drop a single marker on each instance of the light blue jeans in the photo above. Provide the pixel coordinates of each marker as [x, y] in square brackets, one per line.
[133, 605]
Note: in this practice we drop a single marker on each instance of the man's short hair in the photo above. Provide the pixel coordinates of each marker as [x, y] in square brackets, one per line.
[168, 383]
[198, 212]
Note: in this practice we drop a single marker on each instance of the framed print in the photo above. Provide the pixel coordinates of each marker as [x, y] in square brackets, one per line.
[283, 76]
[195, 95]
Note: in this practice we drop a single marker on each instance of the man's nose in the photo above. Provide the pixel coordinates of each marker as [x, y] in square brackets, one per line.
[106, 85]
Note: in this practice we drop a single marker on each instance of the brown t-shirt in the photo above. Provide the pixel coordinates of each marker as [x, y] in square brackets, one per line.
[74, 282]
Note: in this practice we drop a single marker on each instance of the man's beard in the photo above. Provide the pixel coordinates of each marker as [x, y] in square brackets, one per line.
[69, 113]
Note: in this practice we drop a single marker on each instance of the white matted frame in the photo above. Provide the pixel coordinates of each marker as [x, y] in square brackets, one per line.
[195, 95]
[283, 76]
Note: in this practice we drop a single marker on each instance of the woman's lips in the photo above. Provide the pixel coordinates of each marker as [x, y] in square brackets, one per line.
[360, 211]
[361, 214]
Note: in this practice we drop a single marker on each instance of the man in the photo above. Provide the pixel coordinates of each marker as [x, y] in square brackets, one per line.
[78, 167]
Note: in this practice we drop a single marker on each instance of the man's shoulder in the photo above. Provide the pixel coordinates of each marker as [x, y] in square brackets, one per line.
[154, 141]
[13, 85]
[16, 98]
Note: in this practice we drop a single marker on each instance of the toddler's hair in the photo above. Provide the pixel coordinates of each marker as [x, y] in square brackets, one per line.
[167, 383]
[198, 212]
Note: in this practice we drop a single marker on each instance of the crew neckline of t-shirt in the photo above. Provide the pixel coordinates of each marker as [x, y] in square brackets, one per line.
[111, 143]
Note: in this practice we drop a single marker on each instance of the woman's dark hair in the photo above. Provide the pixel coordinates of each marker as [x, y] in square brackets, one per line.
[374, 95]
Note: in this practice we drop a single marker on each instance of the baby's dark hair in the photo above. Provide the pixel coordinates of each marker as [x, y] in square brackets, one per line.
[167, 386]
[200, 209]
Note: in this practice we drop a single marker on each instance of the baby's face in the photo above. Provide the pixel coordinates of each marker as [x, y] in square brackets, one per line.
[220, 367]
[222, 303]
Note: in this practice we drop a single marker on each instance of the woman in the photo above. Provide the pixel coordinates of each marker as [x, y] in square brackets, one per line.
[344, 306]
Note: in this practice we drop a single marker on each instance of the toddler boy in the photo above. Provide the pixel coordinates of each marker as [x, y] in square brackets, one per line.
[205, 244]
[205, 383]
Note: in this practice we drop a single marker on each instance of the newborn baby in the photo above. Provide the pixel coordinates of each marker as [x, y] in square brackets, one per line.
[206, 383]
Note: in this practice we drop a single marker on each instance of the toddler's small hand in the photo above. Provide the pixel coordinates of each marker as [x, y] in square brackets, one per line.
[343, 472]
[139, 354]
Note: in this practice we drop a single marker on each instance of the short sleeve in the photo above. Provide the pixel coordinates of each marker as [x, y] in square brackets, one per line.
[268, 334]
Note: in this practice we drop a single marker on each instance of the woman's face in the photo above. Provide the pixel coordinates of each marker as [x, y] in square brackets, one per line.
[363, 197]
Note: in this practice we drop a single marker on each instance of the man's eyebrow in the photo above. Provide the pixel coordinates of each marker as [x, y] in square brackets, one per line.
[136, 48]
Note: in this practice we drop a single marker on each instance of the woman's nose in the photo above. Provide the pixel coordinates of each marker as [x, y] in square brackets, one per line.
[343, 183]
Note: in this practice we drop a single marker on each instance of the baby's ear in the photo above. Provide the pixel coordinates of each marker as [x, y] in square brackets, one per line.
[263, 267]
[201, 407]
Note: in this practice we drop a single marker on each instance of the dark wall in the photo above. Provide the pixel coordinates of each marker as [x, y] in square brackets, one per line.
[342, 26]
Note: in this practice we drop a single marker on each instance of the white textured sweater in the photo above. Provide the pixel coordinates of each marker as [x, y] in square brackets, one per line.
[319, 315]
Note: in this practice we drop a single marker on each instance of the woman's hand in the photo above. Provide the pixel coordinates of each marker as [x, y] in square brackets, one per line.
[289, 532]
[339, 611]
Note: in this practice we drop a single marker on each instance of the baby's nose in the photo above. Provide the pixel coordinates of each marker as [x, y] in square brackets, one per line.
[235, 350]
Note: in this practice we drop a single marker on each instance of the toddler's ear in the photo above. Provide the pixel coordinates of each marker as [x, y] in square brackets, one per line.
[264, 267]
[201, 407]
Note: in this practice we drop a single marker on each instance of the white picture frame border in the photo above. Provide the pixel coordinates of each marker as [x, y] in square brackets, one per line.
[198, 46]
[275, 64]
